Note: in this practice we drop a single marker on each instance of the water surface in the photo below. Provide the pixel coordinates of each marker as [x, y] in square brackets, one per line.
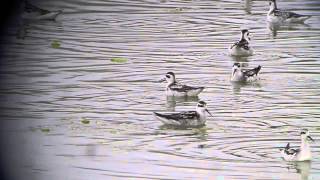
[48, 93]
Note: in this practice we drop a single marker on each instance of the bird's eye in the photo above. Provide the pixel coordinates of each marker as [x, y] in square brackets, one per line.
[248, 34]
[269, 3]
[167, 76]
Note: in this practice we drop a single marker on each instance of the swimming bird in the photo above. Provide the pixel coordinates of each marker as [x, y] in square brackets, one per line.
[174, 88]
[187, 118]
[241, 47]
[240, 75]
[32, 12]
[301, 154]
[276, 15]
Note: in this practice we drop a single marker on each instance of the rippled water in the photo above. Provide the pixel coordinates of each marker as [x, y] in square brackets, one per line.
[47, 94]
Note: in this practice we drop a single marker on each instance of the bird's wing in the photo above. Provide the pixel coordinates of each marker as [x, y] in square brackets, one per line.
[286, 14]
[251, 72]
[291, 151]
[241, 44]
[280, 13]
[32, 8]
[179, 116]
[182, 88]
[294, 15]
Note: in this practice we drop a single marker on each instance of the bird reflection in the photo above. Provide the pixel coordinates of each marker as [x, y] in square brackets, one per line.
[172, 101]
[247, 6]
[91, 150]
[200, 133]
[240, 59]
[273, 28]
[236, 87]
[303, 168]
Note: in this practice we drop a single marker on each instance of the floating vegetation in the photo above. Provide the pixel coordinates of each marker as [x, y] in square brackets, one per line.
[113, 131]
[55, 44]
[45, 130]
[85, 121]
[176, 10]
[119, 59]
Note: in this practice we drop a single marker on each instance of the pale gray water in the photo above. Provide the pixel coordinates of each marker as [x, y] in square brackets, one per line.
[46, 88]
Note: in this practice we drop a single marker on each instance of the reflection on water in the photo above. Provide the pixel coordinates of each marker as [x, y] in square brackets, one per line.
[303, 168]
[248, 6]
[72, 111]
[273, 28]
[173, 101]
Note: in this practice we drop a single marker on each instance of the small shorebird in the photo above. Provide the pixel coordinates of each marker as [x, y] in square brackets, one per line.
[32, 12]
[276, 15]
[240, 75]
[301, 154]
[241, 47]
[187, 118]
[174, 88]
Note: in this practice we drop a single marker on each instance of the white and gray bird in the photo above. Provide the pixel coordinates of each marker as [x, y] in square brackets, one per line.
[241, 47]
[32, 12]
[276, 15]
[301, 154]
[187, 118]
[240, 75]
[176, 89]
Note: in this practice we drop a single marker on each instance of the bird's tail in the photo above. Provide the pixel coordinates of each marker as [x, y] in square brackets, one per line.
[257, 69]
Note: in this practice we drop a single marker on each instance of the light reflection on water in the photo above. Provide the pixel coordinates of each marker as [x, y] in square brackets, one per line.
[59, 88]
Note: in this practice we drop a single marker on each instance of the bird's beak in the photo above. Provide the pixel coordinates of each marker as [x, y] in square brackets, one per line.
[209, 112]
[310, 138]
[162, 80]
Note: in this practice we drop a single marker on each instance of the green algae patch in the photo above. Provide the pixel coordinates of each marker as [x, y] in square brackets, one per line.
[119, 60]
[85, 121]
[45, 130]
[113, 131]
[55, 44]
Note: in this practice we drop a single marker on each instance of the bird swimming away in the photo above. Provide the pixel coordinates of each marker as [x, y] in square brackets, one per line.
[301, 154]
[276, 15]
[240, 75]
[195, 118]
[241, 47]
[32, 12]
[176, 89]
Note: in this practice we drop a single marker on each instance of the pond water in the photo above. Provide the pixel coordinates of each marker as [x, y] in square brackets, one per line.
[73, 113]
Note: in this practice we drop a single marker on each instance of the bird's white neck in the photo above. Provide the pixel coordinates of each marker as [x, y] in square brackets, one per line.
[305, 146]
[202, 112]
[273, 7]
[169, 83]
[236, 74]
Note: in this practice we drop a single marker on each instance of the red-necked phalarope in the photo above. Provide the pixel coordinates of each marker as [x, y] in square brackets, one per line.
[32, 12]
[240, 75]
[276, 15]
[178, 90]
[186, 119]
[301, 154]
[241, 47]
